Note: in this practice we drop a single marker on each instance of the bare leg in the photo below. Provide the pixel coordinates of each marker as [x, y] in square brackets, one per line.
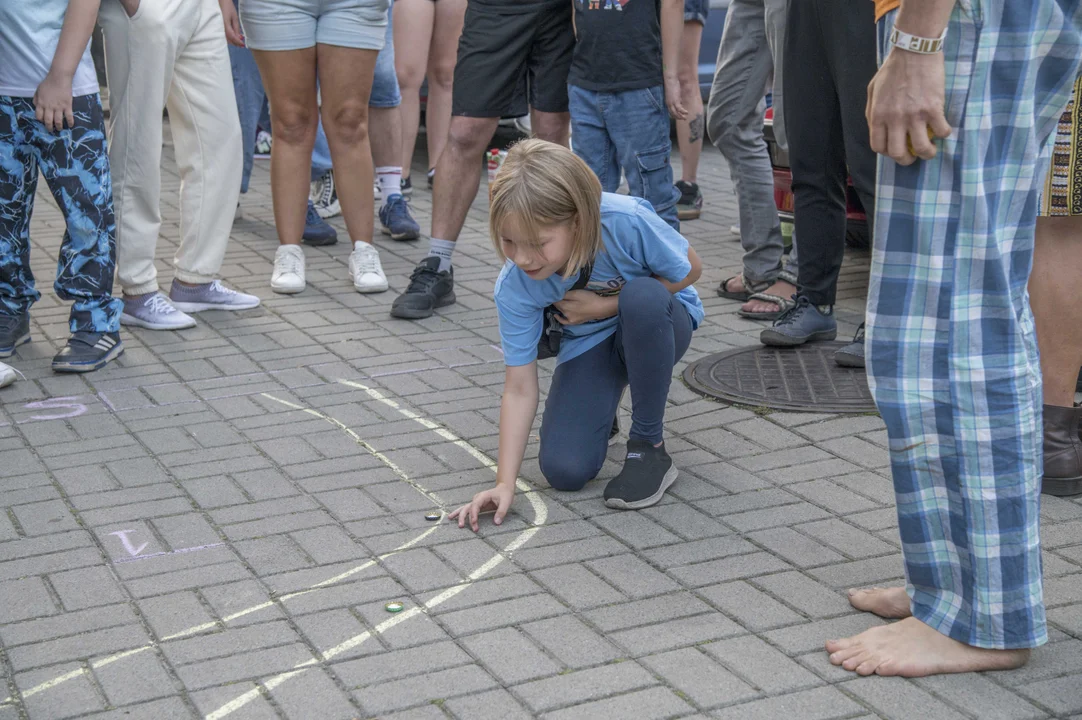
[441, 73]
[290, 80]
[890, 603]
[554, 127]
[690, 132]
[345, 81]
[385, 135]
[909, 648]
[413, 21]
[1053, 295]
[459, 174]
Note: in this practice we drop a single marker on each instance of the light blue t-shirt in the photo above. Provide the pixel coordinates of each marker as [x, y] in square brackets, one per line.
[29, 34]
[636, 243]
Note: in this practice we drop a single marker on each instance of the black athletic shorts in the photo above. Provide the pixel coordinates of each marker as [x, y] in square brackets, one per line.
[511, 57]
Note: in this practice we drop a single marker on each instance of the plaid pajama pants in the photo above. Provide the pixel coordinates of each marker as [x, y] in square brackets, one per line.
[951, 347]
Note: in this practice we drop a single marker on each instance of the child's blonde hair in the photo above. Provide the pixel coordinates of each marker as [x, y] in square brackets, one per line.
[541, 184]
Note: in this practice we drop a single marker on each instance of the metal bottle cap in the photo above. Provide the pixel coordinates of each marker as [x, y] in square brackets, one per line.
[393, 607]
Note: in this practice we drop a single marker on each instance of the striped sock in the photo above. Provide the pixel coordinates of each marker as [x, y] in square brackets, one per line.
[390, 181]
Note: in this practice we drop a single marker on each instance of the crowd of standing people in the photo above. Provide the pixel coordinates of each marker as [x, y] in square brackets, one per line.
[604, 282]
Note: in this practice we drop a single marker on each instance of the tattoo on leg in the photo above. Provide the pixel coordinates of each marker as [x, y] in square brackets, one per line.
[695, 128]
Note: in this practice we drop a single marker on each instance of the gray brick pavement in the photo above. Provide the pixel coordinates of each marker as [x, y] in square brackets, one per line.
[713, 604]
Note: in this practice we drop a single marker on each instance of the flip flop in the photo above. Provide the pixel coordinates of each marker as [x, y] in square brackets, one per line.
[784, 304]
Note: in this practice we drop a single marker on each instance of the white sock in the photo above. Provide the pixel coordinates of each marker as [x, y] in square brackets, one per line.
[442, 249]
[390, 181]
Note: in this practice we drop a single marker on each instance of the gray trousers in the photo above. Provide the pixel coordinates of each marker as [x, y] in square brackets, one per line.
[749, 56]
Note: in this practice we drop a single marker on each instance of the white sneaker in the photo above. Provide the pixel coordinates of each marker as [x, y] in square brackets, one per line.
[366, 270]
[154, 312]
[288, 275]
[7, 375]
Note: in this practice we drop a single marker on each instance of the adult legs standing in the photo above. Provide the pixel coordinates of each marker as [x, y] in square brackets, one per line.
[689, 133]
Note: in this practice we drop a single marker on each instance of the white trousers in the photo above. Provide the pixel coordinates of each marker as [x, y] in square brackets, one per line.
[171, 54]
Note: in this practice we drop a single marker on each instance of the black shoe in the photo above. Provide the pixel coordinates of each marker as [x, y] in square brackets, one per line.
[1062, 451]
[852, 355]
[614, 434]
[407, 187]
[429, 289]
[431, 177]
[87, 351]
[648, 472]
[690, 204]
[14, 331]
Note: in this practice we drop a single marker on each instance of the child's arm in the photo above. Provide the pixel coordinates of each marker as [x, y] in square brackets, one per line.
[517, 412]
[232, 23]
[672, 28]
[696, 271]
[52, 101]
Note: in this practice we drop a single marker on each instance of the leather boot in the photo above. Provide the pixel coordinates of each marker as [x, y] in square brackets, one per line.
[1062, 451]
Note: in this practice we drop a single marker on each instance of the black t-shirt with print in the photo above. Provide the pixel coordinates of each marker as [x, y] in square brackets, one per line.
[619, 45]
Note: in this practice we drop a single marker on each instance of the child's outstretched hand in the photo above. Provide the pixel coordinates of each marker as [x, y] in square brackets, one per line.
[52, 102]
[499, 497]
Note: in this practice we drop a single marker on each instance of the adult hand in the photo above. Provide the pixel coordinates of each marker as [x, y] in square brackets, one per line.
[52, 102]
[673, 98]
[499, 497]
[579, 306]
[905, 101]
[233, 32]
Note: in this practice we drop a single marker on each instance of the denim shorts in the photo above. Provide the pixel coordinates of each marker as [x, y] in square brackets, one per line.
[297, 24]
[696, 11]
[385, 92]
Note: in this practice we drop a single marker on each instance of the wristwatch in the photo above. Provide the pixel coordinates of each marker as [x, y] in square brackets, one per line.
[917, 44]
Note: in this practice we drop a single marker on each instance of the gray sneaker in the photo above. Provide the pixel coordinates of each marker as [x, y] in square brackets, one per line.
[852, 355]
[210, 296]
[800, 324]
[154, 312]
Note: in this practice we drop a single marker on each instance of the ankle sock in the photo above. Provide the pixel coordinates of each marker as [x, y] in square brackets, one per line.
[390, 181]
[443, 249]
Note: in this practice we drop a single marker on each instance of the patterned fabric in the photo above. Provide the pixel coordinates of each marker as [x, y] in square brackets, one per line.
[952, 352]
[76, 168]
[1062, 193]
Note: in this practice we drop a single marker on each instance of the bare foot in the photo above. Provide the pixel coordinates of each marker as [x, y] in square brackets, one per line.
[734, 284]
[910, 648]
[780, 289]
[885, 602]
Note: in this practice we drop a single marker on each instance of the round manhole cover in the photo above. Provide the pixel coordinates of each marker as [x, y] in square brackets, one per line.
[804, 378]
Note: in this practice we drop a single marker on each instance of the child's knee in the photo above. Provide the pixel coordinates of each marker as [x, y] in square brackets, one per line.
[644, 296]
[564, 471]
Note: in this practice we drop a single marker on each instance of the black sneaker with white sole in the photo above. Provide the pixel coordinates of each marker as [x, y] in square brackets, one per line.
[14, 331]
[88, 351]
[648, 472]
[429, 289]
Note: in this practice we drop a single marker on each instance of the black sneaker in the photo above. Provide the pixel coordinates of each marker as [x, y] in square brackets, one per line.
[429, 289]
[852, 355]
[407, 187]
[690, 204]
[14, 331]
[648, 472]
[431, 177]
[87, 351]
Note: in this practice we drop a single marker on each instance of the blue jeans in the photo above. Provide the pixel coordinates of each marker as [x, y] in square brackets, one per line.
[629, 130]
[251, 102]
[653, 332]
[75, 165]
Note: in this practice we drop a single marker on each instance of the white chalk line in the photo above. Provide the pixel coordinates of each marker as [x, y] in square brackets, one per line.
[540, 517]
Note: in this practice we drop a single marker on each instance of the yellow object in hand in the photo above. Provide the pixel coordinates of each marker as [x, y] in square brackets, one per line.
[909, 140]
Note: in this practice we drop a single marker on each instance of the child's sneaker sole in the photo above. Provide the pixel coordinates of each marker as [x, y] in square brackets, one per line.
[690, 213]
[666, 483]
[69, 367]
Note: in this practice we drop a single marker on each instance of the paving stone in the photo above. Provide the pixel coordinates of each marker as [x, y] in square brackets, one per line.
[696, 551]
[97, 642]
[632, 576]
[45, 517]
[170, 614]
[70, 623]
[1063, 696]
[212, 699]
[896, 698]
[805, 638]
[675, 633]
[761, 665]
[24, 599]
[818, 704]
[804, 594]
[172, 708]
[508, 612]
[134, 679]
[313, 694]
[845, 538]
[740, 566]
[571, 642]
[224, 643]
[699, 678]
[441, 685]
[800, 550]
[491, 705]
[645, 612]
[76, 698]
[386, 666]
[420, 570]
[584, 685]
[650, 703]
[881, 570]
[250, 665]
[752, 608]
[636, 530]
[510, 656]
[978, 695]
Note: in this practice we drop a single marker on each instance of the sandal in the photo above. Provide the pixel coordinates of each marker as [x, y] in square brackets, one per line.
[745, 294]
[784, 305]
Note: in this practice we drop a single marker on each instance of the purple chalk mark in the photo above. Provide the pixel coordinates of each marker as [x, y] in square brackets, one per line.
[123, 535]
[75, 409]
[106, 402]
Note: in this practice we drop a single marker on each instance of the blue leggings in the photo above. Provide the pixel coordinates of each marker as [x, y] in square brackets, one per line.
[653, 332]
[75, 165]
